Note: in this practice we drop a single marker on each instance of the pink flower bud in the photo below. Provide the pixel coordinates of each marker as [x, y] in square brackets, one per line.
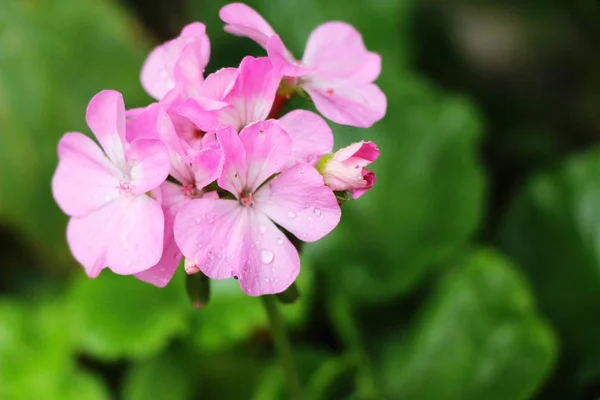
[345, 170]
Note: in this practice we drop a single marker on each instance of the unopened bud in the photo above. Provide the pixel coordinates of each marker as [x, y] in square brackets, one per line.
[345, 169]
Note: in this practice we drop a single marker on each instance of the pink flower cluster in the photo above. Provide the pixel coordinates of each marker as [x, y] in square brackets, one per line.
[209, 172]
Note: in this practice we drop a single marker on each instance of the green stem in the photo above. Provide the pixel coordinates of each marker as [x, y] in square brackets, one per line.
[284, 347]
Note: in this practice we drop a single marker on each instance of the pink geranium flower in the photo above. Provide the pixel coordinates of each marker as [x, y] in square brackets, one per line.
[237, 236]
[114, 222]
[193, 169]
[345, 170]
[234, 97]
[337, 71]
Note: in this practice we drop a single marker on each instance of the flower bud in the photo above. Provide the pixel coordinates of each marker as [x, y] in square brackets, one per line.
[345, 169]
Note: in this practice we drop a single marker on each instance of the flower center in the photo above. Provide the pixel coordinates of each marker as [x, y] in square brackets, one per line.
[125, 186]
[246, 198]
[190, 190]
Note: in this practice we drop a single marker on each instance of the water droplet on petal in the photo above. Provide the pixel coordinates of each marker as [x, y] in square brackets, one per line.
[262, 228]
[107, 198]
[266, 256]
[198, 220]
[291, 214]
[317, 212]
[279, 241]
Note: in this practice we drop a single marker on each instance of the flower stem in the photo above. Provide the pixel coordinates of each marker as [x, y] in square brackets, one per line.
[283, 346]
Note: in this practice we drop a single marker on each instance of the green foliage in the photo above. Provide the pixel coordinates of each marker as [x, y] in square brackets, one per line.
[561, 207]
[478, 337]
[119, 316]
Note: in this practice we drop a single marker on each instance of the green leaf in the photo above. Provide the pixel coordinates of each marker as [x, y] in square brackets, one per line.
[37, 357]
[120, 316]
[232, 316]
[167, 376]
[479, 337]
[55, 56]
[552, 229]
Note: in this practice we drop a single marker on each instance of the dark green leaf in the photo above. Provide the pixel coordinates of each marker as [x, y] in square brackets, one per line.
[478, 338]
[119, 316]
[552, 229]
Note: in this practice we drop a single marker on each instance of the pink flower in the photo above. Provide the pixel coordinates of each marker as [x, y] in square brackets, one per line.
[337, 71]
[235, 98]
[237, 237]
[114, 222]
[177, 64]
[345, 170]
[194, 169]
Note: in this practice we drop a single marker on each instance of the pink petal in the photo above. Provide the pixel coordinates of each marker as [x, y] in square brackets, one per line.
[209, 114]
[105, 116]
[233, 176]
[154, 122]
[218, 84]
[367, 151]
[271, 263]
[268, 149]
[298, 200]
[142, 123]
[207, 165]
[242, 20]
[160, 274]
[335, 50]
[310, 134]
[282, 59]
[211, 233]
[369, 70]
[369, 177]
[150, 164]
[189, 70]
[126, 235]
[348, 104]
[254, 90]
[161, 70]
[157, 72]
[227, 240]
[85, 180]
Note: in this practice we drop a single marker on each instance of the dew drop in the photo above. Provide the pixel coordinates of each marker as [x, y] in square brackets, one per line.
[317, 212]
[198, 220]
[107, 198]
[267, 280]
[301, 171]
[291, 214]
[279, 241]
[266, 256]
[262, 228]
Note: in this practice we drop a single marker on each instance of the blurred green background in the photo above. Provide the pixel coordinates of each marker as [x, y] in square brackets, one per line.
[471, 271]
